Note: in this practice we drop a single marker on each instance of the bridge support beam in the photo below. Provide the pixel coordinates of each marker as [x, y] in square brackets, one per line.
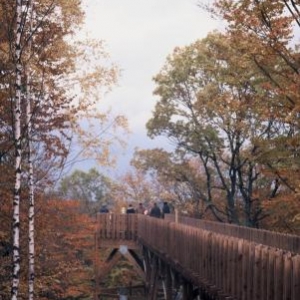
[204, 295]
[167, 281]
[187, 290]
[153, 278]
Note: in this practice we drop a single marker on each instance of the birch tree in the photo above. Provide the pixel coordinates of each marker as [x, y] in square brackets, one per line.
[31, 209]
[18, 153]
[38, 72]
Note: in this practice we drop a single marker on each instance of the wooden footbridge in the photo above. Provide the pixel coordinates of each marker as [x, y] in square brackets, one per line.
[194, 259]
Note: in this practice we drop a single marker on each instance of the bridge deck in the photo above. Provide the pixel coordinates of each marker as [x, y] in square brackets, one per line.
[228, 267]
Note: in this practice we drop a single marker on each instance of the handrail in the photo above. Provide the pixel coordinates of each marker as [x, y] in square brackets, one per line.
[237, 268]
[278, 240]
[117, 227]
[224, 258]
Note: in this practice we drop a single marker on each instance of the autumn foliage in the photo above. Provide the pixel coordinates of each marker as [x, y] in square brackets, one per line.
[51, 83]
[64, 252]
[229, 103]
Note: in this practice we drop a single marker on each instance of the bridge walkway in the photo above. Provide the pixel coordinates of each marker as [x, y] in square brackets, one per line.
[202, 260]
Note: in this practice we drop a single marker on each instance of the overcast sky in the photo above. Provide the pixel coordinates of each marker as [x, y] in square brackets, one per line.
[139, 35]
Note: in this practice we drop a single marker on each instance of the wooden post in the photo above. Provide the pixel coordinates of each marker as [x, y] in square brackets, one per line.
[153, 279]
[96, 259]
[176, 215]
[147, 268]
[130, 288]
[187, 290]
[136, 266]
[168, 281]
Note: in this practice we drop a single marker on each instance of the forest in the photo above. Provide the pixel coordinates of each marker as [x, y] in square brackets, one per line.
[229, 105]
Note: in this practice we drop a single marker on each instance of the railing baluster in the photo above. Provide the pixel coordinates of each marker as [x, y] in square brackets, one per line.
[225, 265]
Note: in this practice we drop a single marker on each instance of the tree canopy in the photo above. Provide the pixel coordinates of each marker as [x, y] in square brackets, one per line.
[231, 101]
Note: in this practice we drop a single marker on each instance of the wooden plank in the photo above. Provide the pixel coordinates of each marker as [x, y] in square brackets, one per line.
[168, 281]
[240, 269]
[264, 275]
[107, 225]
[154, 279]
[278, 275]
[270, 274]
[215, 258]
[250, 270]
[122, 227]
[113, 219]
[296, 277]
[244, 270]
[232, 265]
[224, 286]
[257, 272]
[135, 265]
[106, 268]
[287, 276]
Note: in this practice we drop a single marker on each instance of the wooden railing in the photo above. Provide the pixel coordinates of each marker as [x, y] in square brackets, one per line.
[117, 227]
[286, 242]
[231, 261]
[235, 268]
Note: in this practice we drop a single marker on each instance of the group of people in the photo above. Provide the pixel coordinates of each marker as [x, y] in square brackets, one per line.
[153, 211]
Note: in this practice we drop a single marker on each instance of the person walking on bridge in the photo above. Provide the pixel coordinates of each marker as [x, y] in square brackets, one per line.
[104, 209]
[166, 209]
[155, 211]
[130, 209]
[141, 209]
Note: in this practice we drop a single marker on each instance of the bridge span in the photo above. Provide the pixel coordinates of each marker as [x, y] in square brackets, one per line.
[194, 259]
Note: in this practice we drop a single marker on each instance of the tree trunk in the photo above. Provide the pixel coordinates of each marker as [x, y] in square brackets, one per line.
[31, 204]
[18, 153]
[31, 230]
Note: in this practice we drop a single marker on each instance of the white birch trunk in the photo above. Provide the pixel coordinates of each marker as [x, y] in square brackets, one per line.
[31, 251]
[31, 201]
[18, 153]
